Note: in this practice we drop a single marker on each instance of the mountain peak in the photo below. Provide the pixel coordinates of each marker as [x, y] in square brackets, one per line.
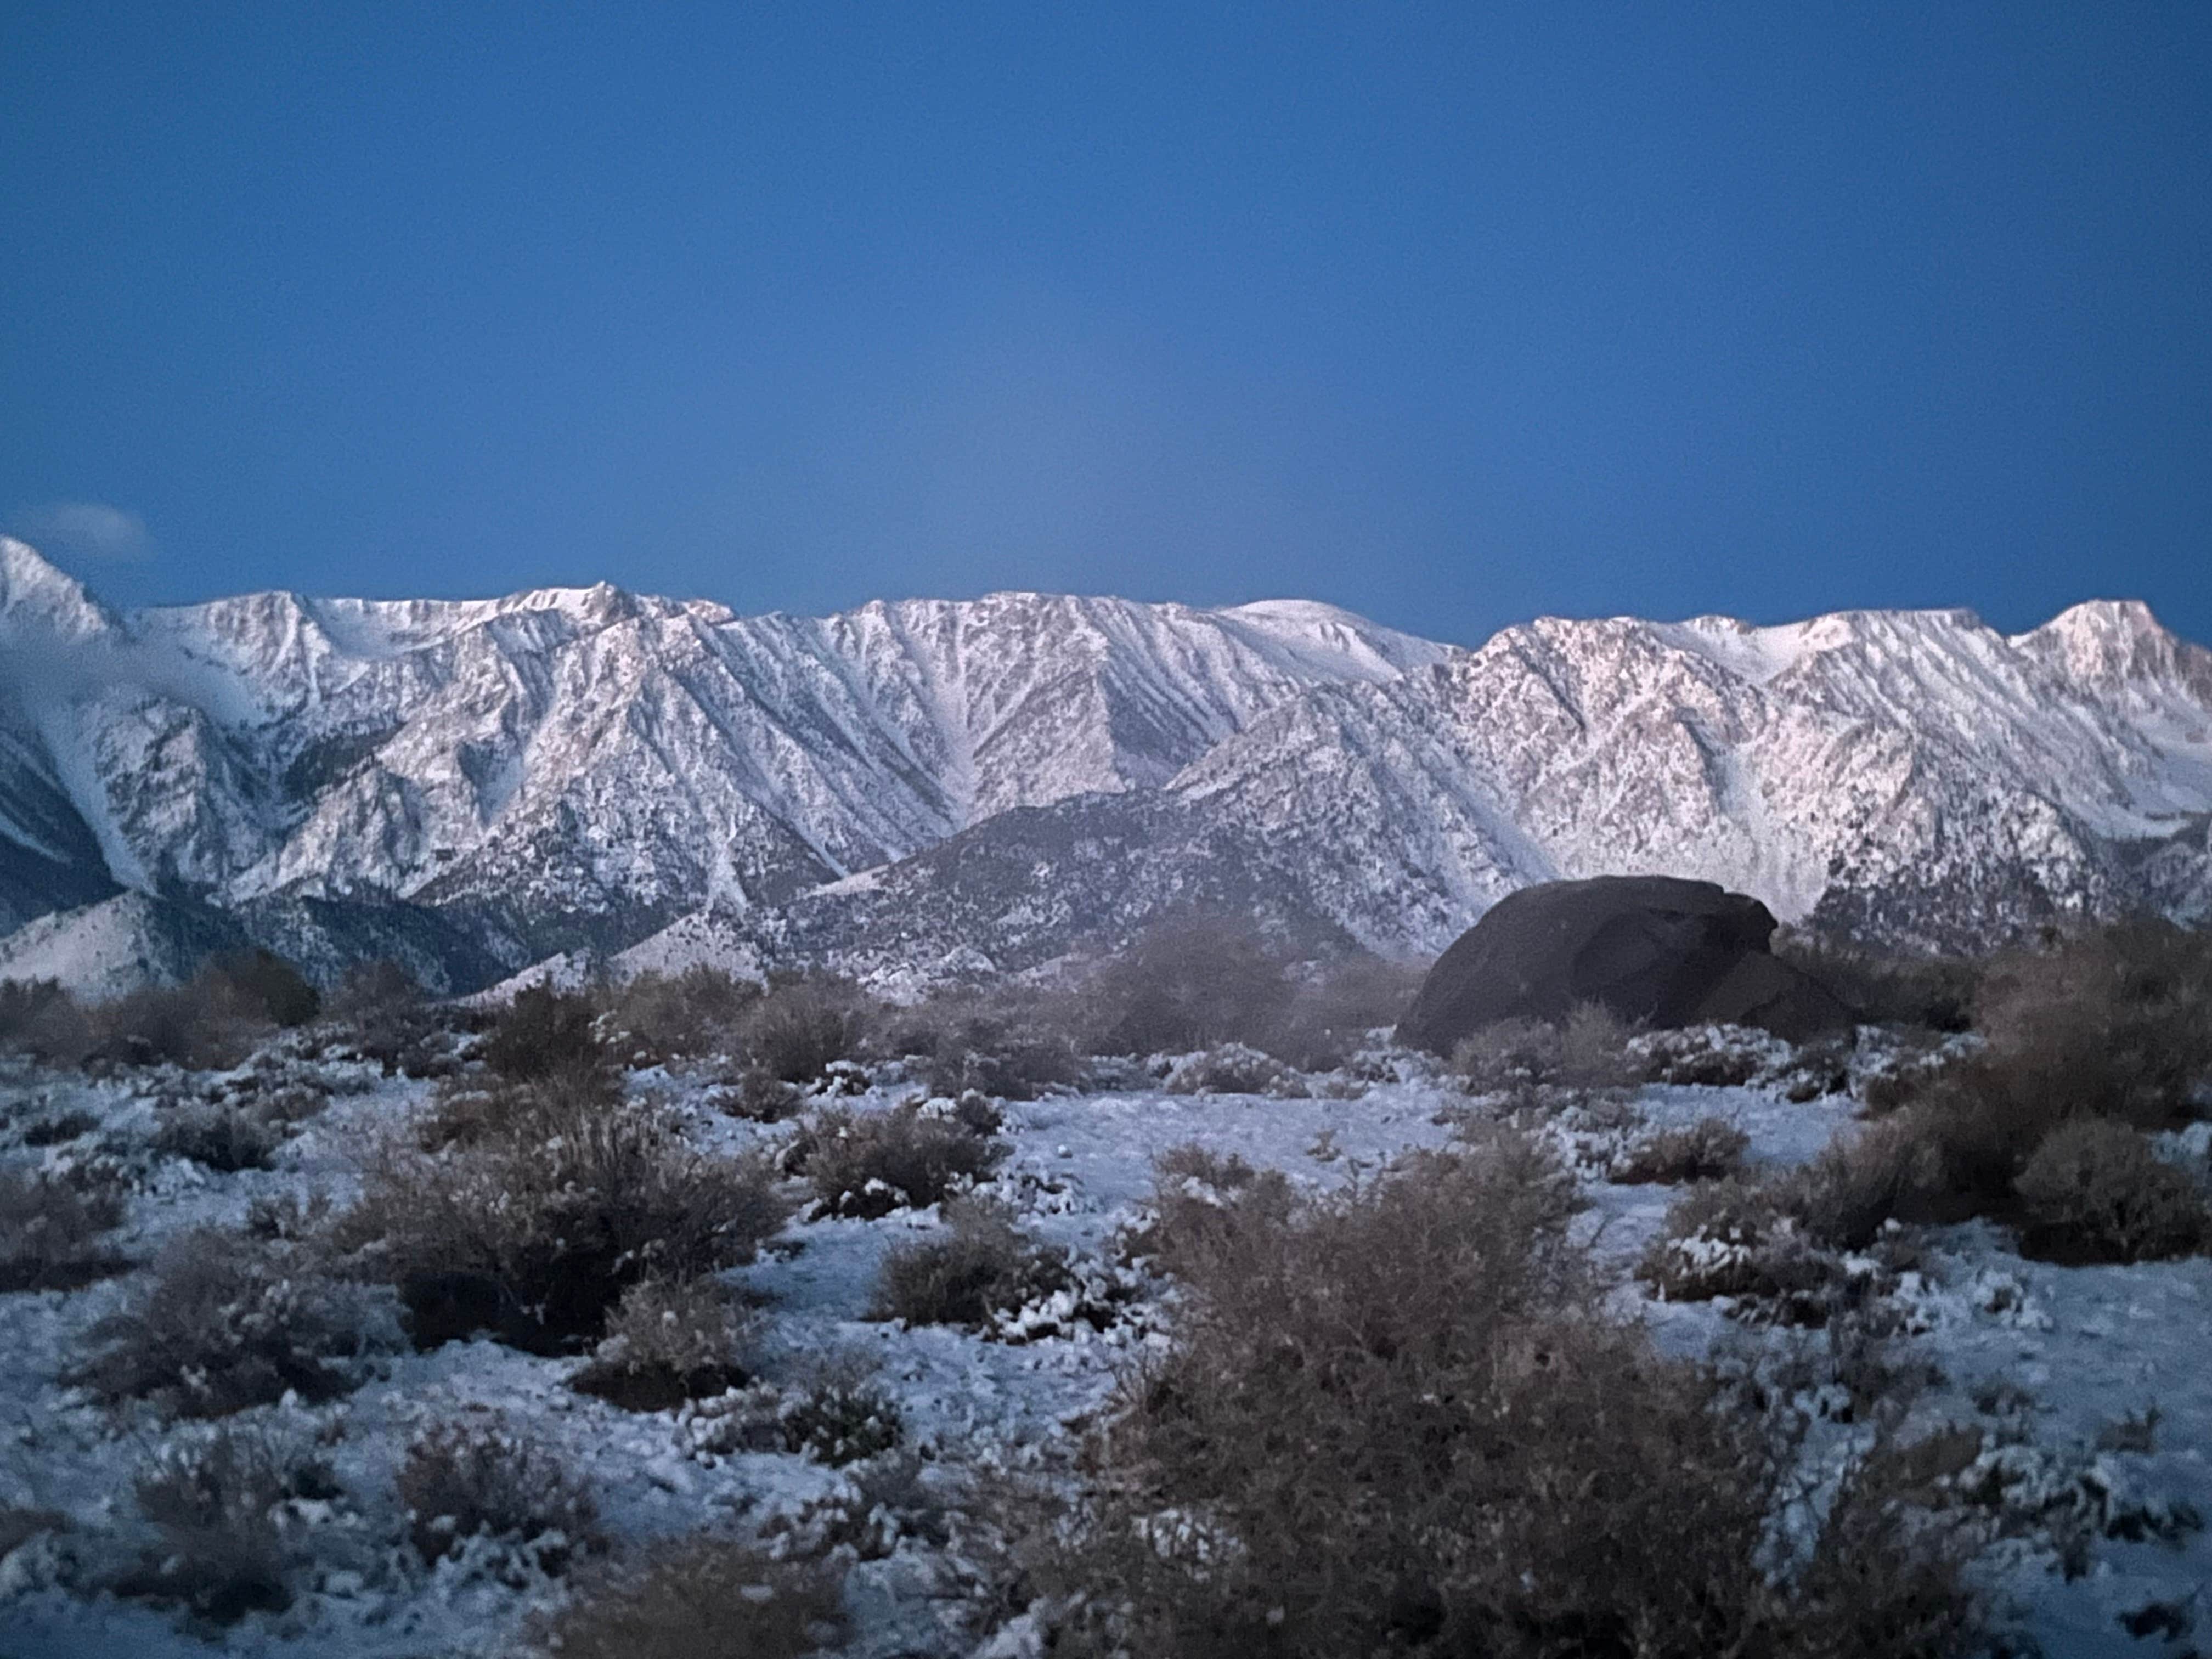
[31, 587]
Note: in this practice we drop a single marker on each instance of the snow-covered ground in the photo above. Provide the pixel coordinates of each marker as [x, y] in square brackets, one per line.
[2040, 1357]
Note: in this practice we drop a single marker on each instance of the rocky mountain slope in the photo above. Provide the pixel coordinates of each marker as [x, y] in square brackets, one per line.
[474, 785]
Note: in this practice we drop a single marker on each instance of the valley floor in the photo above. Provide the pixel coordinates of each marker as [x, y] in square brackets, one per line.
[2040, 1359]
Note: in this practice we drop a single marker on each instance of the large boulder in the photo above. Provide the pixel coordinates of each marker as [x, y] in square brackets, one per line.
[1656, 950]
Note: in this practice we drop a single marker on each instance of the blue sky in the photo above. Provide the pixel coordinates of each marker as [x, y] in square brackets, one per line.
[1453, 315]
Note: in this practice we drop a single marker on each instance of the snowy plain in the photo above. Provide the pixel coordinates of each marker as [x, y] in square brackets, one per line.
[2041, 1357]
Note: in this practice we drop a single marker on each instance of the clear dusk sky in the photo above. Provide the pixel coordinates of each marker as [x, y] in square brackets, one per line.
[1451, 315]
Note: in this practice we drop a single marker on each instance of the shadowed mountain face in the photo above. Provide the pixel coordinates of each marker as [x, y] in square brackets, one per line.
[485, 783]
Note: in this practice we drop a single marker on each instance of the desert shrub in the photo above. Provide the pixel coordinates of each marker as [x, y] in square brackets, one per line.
[553, 1212]
[49, 1233]
[2116, 1022]
[224, 1138]
[1187, 983]
[484, 1480]
[1593, 1051]
[262, 986]
[866, 1164]
[545, 1032]
[40, 1019]
[1335, 1006]
[1202, 1203]
[209, 1023]
[1503, 1470]
[1736, 1238]
[701, 1599]
[840, 1417]
[2094, 1190]
[1843, 1196]
[1506, 1055]
[223, 1326]
[473, 1109]
[800, 1027]
[1886, 988]
[387, 1020]
[214, 1504]
[756, 1095]
[984, 1266]
[1710, 1056]
[1708, 1150]
[1014, 1044]
[178, 1026]
[656, 1018]
[370, 989]
[668, 1342]
[1587, 1050]
[1234, 1068]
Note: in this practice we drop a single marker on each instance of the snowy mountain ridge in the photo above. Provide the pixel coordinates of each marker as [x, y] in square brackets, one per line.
[586, 770]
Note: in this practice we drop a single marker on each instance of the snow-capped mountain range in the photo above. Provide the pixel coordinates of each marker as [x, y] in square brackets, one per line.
[474, 786]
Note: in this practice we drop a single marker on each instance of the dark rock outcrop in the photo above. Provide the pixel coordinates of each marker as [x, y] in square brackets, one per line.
[1655, 949]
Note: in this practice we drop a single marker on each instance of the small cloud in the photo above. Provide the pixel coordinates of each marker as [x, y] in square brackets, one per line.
[86, 530]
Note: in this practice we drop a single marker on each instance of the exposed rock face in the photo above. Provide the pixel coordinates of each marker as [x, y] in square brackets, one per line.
[1655, 949]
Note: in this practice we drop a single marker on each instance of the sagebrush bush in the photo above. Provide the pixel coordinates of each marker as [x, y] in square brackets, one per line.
[1844, 1196]
[840, 1417]
[1187, 983]
[1236, 1068]
[1395, 1418]
[224, 1324]
[801, 1026]
[263, 986]
[866, 1164]
[668, 1342]
[2114, 1022]
[213, 1504]
[559, 1206]
[1708, 1150]
[1013, 1042]
[1506, 1055]
[545, 1032]
[51, 1233]
[37, 1018]
[1336, 1008]
[701, 1599]
[1886, 988]
[981, 1266]
[386, 1020]
[655, 1018]
[487, 1480]
[225, 1138]
[2094, 1191]
[1736, 1238]
[1199, 1201]
[209, 1023]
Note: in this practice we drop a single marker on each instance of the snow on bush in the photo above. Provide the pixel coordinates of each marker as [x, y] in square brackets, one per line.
[1397, 1418]
[230, 1513]
[223, 1324]
[488, 1480]
[558, 1206]
[668, 1342]
[980, 1268]
[1234, 1068]
[51, 1232]
[866, 1164]
[1708, 1150]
